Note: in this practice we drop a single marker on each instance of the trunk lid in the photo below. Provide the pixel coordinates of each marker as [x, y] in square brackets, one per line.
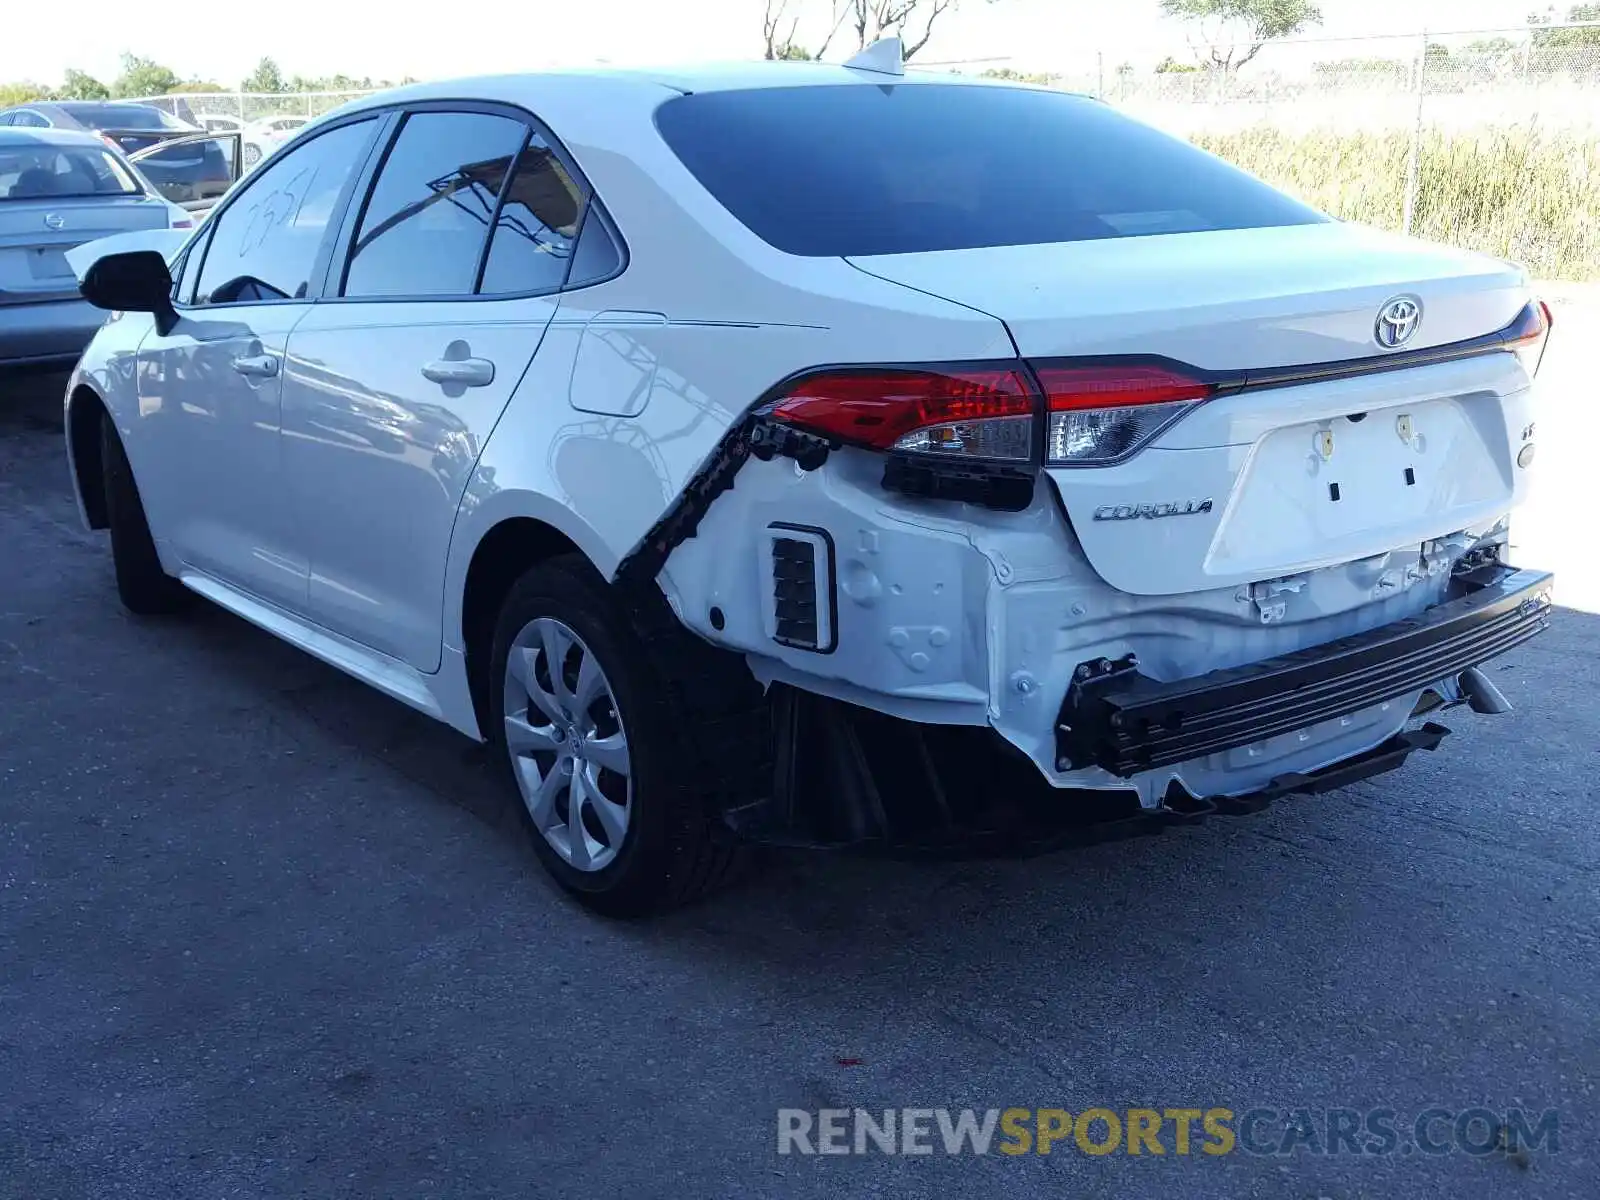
[1261, 485]
[35, 235]
[1233, 299]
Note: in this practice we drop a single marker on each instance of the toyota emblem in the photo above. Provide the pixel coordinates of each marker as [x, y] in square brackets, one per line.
[54, 221]
[1397, 321]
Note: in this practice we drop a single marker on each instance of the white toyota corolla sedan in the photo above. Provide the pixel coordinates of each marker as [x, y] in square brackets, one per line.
[823, 454]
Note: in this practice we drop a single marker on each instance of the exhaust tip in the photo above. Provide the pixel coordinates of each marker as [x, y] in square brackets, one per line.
[1482, 696]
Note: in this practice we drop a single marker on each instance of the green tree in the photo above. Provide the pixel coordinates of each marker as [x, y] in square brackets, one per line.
[1043, 79]
[265, 78]
[80, 85]
[1171, 66]
[21, 92]
[1556, 50]
[143, 77]
[1494, 47]
[1232, 32]
[197, 86]
[1357, 70]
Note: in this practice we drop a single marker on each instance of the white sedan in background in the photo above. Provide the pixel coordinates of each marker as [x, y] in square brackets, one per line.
[824, 455]
[262, 137]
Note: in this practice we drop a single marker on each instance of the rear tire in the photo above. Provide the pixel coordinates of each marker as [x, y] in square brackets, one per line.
[144, 587]
[652, 839]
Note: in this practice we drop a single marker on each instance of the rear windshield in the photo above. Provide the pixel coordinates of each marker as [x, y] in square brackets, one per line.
[859, 169]
[40, 172]
[123, 116]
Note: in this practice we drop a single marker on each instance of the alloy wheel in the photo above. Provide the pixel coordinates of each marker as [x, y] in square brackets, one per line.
[568, 747]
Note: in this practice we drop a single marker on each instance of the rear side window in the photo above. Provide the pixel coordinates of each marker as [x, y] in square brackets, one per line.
[423, 230]
[537, 227]
[858, 169]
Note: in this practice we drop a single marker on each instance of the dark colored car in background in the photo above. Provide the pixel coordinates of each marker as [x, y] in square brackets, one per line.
[194, 169]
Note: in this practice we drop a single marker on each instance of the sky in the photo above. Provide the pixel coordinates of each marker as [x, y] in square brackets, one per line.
[430, 40]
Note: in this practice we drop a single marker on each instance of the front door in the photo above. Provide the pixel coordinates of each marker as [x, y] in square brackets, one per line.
[215, 380]
[395, 384]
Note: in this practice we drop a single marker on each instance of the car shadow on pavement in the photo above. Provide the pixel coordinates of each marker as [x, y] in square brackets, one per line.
[861, 911]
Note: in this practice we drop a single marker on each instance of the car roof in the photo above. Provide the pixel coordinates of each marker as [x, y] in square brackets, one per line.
[81, 105]
[12, 136]
[598, 84]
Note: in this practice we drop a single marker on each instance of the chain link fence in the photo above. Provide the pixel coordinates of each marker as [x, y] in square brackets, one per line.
[247, 108]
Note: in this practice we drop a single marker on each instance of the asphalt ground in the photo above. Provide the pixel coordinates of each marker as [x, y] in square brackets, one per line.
[265, 933]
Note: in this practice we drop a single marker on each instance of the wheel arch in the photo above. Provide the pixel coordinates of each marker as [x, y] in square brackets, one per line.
[517, 534]
[85, 411]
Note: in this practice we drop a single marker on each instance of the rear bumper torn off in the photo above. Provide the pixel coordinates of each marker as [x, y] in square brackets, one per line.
[1124, 722]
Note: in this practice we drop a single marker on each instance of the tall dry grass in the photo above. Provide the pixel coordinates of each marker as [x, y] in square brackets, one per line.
[1519, 193]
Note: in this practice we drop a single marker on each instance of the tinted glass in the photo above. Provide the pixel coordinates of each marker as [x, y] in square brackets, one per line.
[537, 227]
[265, 243]
[190, 170]
[30, 120]
[597, 256]
[862, 169]
[34, 172]
[123, 116]
[424, 228]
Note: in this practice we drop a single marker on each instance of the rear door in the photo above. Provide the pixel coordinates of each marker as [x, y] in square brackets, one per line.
[446, 281]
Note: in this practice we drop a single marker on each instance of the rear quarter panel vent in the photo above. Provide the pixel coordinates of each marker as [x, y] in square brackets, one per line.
[802, 608]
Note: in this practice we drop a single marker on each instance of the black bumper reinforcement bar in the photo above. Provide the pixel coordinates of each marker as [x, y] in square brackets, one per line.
[1118, 719]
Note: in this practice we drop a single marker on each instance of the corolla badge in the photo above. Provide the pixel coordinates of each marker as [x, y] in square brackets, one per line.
[1397, 321]
[54, 221]
[1133, 512]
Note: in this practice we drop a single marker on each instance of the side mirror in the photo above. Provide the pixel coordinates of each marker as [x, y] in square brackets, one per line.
[134, 281]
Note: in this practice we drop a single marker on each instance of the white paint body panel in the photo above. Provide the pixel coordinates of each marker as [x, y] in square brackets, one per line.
[340, 504]
[376, 457]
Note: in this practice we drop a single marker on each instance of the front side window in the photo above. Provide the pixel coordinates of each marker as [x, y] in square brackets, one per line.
[533, 237]
[31, 120]
[264, 245]
[423, 230]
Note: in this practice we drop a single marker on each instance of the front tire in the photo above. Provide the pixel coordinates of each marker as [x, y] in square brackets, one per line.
[145, 589]
[601, 751]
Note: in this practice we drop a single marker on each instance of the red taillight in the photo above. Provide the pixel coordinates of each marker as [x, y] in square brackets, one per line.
[1072, 387]
[1095, 414]
[984, 412]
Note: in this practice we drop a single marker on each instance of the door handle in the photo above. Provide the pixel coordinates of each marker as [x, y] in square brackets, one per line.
[468, 372]
[258, 366]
